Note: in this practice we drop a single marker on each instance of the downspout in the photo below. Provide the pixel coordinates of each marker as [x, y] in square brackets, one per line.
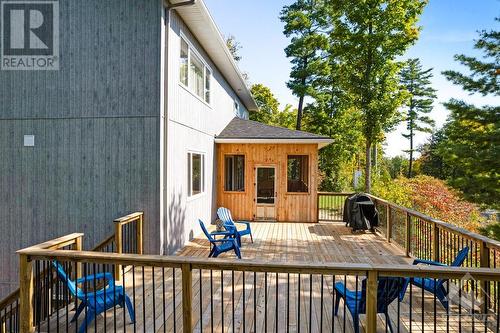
[164, 195]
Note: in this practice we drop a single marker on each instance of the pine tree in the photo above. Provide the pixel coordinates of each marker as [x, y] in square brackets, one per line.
[305, 23]
[472, 145]
[421, 97]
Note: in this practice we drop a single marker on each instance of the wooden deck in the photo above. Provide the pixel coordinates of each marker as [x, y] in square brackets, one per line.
[251, 307]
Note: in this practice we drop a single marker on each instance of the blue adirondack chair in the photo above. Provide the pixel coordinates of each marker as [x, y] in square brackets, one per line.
[94, 301]
[219, 246]
[388, 290]
[224, 215]
[436, 287]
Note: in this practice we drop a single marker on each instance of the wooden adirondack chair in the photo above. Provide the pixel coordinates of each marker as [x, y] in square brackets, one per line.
[387, 291]
[219, 246]
[437, 286]
[224, 215]
[97, 301]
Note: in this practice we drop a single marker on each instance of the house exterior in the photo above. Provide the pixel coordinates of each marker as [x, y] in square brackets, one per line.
[127, 122]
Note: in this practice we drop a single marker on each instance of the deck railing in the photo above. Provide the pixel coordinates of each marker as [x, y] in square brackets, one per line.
[331, 206]
[46, 286]
[186, 294]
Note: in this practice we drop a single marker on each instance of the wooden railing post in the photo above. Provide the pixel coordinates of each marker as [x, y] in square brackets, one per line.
[408, 235]
[26, 294]
[484, 261]
[388, 223]
[371, 301]
[140, 244]
[435, 243]
[187, 295]
[119, 248]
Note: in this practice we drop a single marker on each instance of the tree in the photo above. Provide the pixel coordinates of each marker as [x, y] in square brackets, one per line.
[367, 38]
[304, 23]
[472, 133]
[266, 102]
[234, 47]
[431, 162]
[269, 112]
[421, 97]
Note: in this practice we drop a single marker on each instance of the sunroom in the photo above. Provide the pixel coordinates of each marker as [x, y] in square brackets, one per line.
[268, 173]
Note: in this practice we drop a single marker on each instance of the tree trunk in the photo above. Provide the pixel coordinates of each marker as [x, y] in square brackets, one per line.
[368, 167]
[410, 164]
[298, 126]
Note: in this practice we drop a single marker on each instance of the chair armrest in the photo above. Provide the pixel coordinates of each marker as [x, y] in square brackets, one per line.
[107, 276]
[225, 240]
[221, 233]
[428, 262]
[243, 222]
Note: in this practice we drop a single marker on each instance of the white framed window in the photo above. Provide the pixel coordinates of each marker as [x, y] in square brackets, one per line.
[236, 108]
[196, 173]
[194, 74]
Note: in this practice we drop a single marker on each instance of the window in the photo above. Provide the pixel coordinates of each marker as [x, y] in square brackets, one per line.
[234, 173]
[196, 174]
[194, 74]
[236, 107]
[298, 173]
[208, 76]
[184, 62]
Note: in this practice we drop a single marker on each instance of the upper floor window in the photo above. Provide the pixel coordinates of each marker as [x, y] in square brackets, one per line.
[298, 173]
[236, 107]
[193, 72]
[196, 174]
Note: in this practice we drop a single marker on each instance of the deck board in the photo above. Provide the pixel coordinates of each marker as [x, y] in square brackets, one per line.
[283, 242]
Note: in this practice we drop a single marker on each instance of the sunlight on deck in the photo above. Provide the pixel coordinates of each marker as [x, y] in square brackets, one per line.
[250, 307]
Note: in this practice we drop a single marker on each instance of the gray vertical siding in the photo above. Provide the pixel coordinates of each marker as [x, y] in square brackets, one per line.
[96, 128]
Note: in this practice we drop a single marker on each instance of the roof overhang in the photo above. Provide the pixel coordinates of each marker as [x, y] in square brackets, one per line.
[320, 142]
[202, 25]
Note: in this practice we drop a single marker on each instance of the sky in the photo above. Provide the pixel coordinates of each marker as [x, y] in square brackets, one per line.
[448, 27]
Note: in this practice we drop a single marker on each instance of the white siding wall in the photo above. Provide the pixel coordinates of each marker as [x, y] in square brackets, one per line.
[191, 126]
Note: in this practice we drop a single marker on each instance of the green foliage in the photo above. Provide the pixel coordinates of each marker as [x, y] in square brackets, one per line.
[269, 112]
[430, 161]
[491, 230]
[471, 148]
[419, 105]
[396, 166]
[304, 21]
[483, 74]
[365, 40]
[267, 103]
[234, 47]
[472, 134]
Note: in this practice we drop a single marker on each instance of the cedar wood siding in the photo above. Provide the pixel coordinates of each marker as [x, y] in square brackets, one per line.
[96, 127]
[290, 207]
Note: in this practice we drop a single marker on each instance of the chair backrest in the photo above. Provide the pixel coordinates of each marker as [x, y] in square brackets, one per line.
[387, 291]
[460, 258]
[225, 215]
[61, 273]
[205, 231]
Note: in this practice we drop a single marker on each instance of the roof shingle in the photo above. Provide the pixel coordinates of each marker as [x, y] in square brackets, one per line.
[248, 129]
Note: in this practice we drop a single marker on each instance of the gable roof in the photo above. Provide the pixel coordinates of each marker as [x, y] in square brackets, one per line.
[249, 131]
[201, 23]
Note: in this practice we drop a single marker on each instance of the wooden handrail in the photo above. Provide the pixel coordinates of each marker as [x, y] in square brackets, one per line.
[137, 217]
[260, 266]
[441, 224]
